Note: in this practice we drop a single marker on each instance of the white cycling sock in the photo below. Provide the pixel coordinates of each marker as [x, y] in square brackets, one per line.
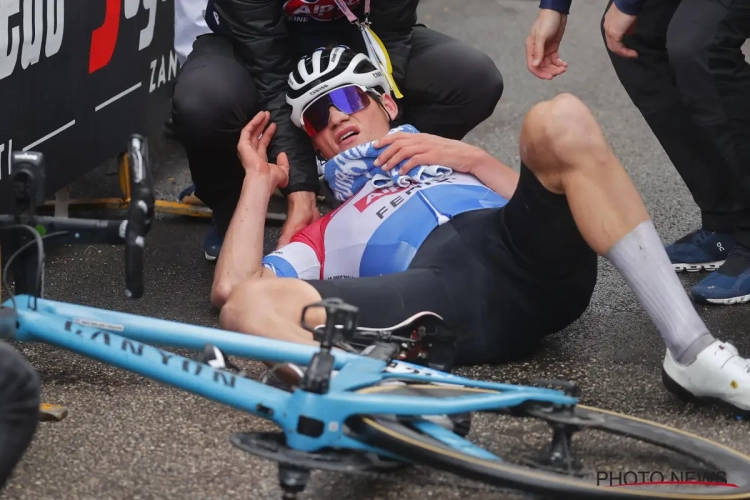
[642, 261]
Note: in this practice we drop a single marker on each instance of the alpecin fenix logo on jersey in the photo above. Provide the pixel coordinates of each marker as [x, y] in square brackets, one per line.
[320, 10]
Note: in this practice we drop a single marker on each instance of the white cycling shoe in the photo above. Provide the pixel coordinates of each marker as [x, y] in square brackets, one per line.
[718, 373]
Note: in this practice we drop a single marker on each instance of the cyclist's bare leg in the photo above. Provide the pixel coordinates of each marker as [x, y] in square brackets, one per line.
[272, 308]
[562, 144]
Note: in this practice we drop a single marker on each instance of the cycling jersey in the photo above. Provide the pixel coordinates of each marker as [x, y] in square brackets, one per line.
[378, 231]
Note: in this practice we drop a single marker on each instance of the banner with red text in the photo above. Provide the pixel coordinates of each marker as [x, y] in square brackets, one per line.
[77, 77]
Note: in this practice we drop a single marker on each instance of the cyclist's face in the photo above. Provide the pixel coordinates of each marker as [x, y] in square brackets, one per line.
[347, 131]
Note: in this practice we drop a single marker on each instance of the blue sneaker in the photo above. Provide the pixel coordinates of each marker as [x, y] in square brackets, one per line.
[700, 250]
[212, 242]
[728, 285]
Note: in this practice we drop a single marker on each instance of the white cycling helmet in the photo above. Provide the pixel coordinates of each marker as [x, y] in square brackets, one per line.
[327, 69]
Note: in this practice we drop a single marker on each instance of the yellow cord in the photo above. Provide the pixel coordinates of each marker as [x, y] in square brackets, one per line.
[388, 66]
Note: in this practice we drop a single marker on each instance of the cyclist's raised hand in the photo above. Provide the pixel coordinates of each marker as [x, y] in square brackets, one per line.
[252, 147]
[424, 149]
[543, 43]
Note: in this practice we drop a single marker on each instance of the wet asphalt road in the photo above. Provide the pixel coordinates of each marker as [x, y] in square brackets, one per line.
[127, 437]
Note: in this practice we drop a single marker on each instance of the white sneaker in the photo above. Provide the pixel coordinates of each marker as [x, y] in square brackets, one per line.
[718, 372]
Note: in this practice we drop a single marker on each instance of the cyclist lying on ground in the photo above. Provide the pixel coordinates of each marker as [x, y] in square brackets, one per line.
[503, 258]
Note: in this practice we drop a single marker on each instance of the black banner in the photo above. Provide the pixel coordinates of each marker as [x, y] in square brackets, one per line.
[77, 77]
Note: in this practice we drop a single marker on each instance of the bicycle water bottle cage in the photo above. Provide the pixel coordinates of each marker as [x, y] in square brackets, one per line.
[27, 172]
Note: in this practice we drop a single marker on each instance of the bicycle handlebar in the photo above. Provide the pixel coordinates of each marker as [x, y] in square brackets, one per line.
[140, 215]
[28, 177]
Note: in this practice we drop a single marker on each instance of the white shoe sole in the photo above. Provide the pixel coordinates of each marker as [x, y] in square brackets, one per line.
[694, 268]
[686, 396]
[730, 301]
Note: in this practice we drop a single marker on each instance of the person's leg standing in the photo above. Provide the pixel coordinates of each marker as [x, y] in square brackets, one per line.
[214, 98]
[704, 44]
[450, 87]
[19, 408]
[650, 82]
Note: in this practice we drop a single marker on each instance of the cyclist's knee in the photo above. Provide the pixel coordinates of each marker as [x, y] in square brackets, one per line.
[557, 130]
[566, 119]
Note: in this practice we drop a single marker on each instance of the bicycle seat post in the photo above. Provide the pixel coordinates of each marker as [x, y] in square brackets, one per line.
[338, 316]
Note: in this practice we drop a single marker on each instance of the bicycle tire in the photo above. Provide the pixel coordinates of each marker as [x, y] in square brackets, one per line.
[397, 438]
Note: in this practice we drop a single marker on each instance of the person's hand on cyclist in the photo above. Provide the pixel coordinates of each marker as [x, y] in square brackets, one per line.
[251, 150]
[424, 149]
[543, 44]
[301, 212]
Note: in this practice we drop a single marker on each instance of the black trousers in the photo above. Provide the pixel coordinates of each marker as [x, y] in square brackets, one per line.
[692, 85]
[19, 408]
[450, 88]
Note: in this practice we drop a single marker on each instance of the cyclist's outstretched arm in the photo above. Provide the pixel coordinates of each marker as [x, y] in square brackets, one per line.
[19, 408]
[242, 252]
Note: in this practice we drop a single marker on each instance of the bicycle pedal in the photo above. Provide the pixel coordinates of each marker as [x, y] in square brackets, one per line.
[52, 413]
[284, 381]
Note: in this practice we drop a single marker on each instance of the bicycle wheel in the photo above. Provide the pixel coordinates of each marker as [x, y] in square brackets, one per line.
[403, 435]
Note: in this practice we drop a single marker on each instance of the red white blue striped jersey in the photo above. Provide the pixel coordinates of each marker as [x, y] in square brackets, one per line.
[378, 232]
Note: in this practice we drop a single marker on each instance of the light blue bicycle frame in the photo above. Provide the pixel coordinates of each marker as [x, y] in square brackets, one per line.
[122, 340]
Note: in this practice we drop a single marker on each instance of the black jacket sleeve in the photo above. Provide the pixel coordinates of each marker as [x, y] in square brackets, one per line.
[393, 21]
[259, 28]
